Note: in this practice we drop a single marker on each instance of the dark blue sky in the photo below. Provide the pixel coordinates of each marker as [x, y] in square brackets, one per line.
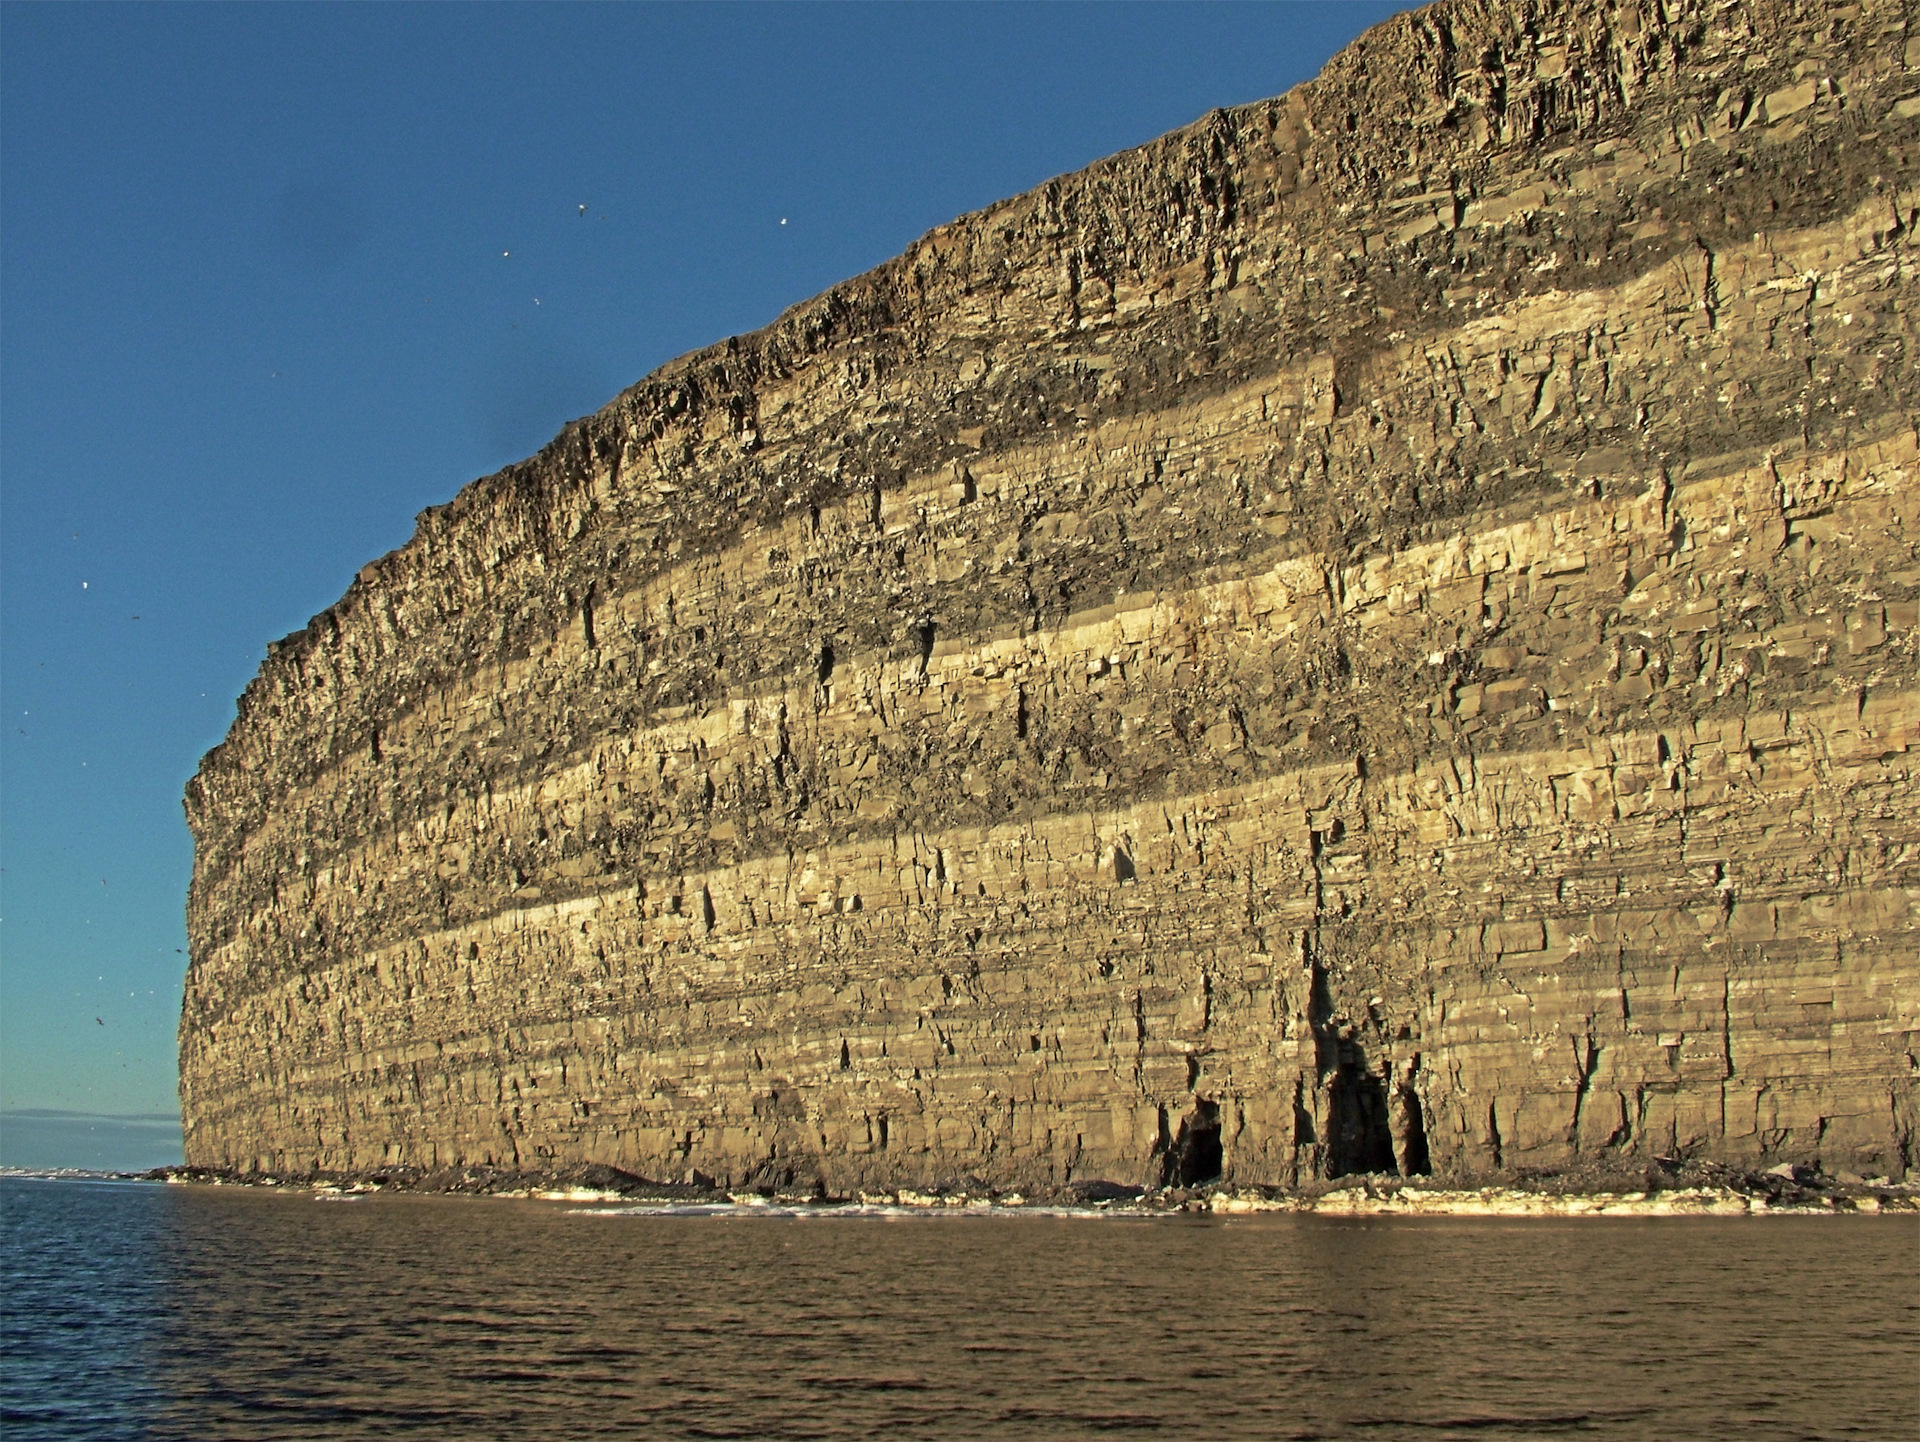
[273, 278]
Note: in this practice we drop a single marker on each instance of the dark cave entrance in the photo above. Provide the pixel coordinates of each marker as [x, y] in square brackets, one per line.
[1366, 1119]
[1360, 1137]
[1415, 1160]
[1195, 1155]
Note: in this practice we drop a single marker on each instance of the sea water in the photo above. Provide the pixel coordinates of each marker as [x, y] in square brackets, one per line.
[148, 1311]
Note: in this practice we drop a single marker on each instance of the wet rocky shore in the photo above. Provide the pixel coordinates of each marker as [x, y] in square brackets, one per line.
[1670, 1187]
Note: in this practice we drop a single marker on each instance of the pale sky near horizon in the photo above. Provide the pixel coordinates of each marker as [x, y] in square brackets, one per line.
[275, 278]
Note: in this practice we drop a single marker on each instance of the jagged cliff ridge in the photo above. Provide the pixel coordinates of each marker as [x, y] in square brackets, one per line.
[1377, 630]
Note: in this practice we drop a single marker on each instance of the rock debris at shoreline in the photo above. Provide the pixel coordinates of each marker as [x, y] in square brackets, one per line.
[1683, 1191]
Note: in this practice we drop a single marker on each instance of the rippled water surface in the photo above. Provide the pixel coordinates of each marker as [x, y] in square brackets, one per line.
[146, 1311]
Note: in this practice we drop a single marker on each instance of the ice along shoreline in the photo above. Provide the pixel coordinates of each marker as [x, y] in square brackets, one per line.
[1678, 1190]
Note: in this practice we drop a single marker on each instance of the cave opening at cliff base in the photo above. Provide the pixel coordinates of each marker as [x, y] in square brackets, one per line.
[1194, 1156]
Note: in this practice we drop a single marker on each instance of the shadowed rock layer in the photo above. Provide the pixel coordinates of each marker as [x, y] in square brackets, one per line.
[1375, 631]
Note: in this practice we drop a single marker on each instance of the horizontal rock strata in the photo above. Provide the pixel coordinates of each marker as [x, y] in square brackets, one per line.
[1375, 632]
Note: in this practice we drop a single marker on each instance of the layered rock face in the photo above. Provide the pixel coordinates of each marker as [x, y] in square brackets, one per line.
[1377, 631]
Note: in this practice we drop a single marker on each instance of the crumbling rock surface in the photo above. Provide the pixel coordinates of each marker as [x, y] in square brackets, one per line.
[1375, 632]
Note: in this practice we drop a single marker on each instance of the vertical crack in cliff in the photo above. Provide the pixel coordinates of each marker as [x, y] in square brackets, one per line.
[1416, 1159]
[922, 632]
[1586, 1062]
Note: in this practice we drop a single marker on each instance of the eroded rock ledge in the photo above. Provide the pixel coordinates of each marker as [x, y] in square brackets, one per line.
[1375, 632]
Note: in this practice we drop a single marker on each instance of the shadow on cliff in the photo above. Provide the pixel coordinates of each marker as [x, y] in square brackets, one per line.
[1367, 1128]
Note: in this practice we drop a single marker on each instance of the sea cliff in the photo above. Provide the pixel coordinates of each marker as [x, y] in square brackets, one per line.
[1376, 632]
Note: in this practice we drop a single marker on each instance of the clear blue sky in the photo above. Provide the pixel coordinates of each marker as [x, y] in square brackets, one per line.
[273, 278]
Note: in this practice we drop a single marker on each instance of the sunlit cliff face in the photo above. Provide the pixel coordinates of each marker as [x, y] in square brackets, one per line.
[1375, 632]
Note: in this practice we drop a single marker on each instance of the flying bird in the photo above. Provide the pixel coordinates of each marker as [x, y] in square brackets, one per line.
[101, 1022]
[583, 212]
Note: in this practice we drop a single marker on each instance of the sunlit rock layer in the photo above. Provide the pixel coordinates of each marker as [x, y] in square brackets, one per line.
[1376, 631]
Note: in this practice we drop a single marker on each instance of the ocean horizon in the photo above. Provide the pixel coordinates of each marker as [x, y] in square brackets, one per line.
[47, 1139]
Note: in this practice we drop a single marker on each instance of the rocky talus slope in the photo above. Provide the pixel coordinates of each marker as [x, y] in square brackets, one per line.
[1374, 632]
